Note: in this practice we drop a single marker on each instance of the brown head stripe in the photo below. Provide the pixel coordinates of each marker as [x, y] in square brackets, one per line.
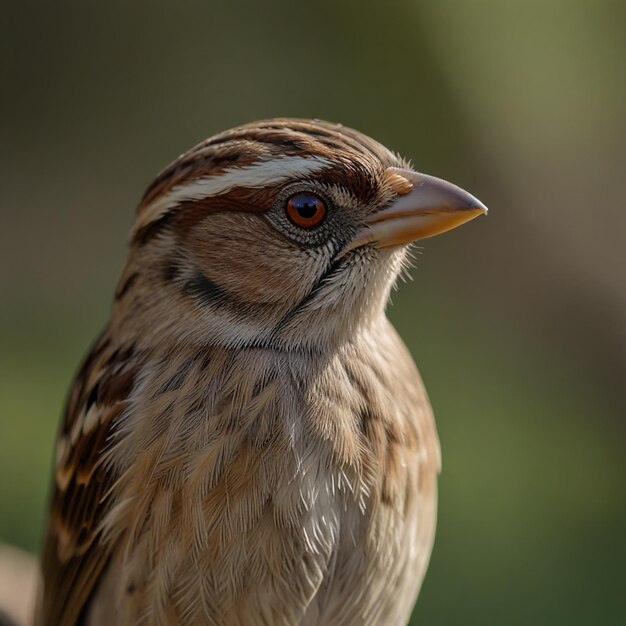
[356, 155]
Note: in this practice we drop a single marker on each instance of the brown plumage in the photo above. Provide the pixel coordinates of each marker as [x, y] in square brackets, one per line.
[249, 442]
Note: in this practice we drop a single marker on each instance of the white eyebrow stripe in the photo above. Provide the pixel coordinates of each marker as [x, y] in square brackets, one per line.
[276, 170]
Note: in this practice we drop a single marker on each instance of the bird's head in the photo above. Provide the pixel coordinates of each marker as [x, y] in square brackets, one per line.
[285, 233]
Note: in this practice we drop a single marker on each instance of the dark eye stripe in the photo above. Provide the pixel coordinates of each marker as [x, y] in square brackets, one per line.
[188, 213]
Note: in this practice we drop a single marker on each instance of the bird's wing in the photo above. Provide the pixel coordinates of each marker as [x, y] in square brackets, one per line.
[74, 556]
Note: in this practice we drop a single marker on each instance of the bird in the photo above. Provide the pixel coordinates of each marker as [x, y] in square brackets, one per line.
[249, 441]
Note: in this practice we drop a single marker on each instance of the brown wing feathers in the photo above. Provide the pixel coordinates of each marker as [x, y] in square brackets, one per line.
[73, 557]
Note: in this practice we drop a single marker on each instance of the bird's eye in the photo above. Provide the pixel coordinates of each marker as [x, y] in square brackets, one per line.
[306, 210]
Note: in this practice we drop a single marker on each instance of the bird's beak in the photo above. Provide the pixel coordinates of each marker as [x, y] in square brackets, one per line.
[426, 206]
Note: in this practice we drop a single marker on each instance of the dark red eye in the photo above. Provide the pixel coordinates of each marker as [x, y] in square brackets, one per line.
[306, 210]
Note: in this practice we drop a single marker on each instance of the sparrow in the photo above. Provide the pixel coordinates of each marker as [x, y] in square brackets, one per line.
[249, 441]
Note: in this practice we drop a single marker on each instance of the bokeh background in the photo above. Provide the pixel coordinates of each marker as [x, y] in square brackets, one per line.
[517, 321]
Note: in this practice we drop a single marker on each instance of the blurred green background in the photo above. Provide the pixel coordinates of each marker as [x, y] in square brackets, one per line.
[517, 321]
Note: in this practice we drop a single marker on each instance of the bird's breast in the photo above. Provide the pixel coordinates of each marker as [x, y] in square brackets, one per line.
[273, 489]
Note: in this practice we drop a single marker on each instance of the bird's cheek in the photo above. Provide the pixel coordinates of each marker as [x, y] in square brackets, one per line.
[249, 261]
